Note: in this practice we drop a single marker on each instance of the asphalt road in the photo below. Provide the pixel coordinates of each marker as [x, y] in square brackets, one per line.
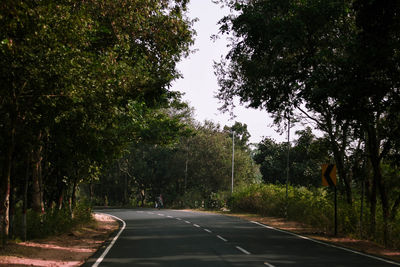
[179, 238]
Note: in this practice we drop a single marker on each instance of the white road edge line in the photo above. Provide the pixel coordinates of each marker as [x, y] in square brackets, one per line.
[223, 239]
[327, 244]
[101, 258]
[243, 250]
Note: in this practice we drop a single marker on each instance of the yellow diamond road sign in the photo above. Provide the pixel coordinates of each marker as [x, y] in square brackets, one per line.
[328, 174]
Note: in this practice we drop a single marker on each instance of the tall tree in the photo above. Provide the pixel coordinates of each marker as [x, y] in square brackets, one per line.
[338, 59]
[78, 66]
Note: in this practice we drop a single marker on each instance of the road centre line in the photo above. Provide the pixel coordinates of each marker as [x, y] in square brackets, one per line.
[268, 264]
[208, 231]
[170, 217]
[196, 225]
[223, 239]
[187, 222]
[243, 250]
[326, 244]
[101, 258]
[179, 219]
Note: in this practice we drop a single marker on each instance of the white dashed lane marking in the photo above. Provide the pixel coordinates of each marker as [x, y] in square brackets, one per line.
[223, 239]
[243, 250]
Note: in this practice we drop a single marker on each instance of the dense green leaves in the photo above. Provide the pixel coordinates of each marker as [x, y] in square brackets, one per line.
[337, 62]
[80, 82]
[306, 156]
[191, 171]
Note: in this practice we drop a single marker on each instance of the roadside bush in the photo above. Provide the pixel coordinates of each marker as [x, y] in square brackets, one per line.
[53, 222]
[314, 207]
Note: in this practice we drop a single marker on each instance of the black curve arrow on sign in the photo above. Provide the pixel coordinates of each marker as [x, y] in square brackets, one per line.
[327, 174]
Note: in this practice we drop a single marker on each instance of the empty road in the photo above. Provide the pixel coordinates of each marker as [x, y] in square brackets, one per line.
[178, 238]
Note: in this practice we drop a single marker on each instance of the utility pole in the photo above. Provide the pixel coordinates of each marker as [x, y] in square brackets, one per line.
[287, 163]
[233, 156]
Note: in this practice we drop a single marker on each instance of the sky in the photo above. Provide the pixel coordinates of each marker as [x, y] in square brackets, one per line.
[200, 84]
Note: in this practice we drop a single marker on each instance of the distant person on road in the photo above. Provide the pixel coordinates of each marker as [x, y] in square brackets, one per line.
[159, 202]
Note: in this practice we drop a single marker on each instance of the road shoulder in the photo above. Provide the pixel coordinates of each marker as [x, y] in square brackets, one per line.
[70, 249]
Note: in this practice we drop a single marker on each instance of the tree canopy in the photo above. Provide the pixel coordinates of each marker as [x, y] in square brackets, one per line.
[78, 82]
[337, 62]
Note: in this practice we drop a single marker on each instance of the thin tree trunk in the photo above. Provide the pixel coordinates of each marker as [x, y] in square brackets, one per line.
[339, 156]
[395, 208]
[73, 195]
[374, 154]
[5, 188]
[37, 196]
[143, 197]
[372, 204]
[13, 193]
[91, 188]
[25, 197]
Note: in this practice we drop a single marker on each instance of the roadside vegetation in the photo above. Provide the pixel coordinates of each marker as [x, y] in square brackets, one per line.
[314, 207]
[334, 65]
[88, 118]
[81, 82]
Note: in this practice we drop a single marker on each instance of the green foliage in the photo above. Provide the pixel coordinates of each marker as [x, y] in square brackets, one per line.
[305, 158]
[335, 62]
[191, 169]
[53, 222]
[313, 207]
[241, 134]
[80, 82]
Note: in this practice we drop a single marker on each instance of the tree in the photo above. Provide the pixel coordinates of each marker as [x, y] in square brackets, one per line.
[307, 155]
[338, 60]
[241, 133]
[70, 74]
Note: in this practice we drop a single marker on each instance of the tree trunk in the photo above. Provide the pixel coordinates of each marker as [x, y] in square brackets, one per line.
[371, 195]
[73, 195]
[339, 156]
[373, 145]
[395, 208]
[37, 194]
[5, 187]
[13, 193]
[60, 191]
[25, 197]
[91, 188]
[143, 197]
[60, 199]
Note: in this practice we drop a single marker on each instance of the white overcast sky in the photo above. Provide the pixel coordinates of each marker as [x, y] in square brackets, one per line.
[200, 84]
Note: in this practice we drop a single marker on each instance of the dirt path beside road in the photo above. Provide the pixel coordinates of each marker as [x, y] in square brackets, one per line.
[70, 249]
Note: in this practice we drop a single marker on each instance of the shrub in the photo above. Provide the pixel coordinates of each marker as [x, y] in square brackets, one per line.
[54, 221]
[314, 207]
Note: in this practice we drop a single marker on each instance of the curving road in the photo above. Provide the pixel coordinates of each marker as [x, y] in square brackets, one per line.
[180, 238]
